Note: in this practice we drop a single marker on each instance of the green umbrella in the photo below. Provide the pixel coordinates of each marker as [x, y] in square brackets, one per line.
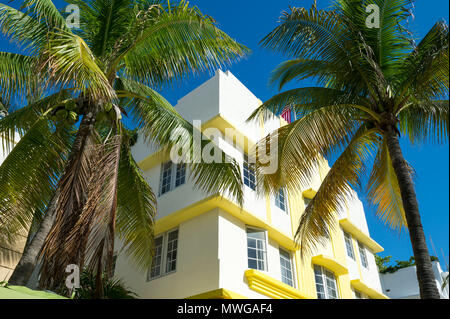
[20, 292]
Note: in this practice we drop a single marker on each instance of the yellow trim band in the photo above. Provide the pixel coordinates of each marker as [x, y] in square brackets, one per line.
[218, 294]
[217, 201]
[271, 287]
[351, 228]
[359, 285]
[330, 263]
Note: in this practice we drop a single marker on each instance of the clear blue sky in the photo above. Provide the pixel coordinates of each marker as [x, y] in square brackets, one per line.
[248, 21]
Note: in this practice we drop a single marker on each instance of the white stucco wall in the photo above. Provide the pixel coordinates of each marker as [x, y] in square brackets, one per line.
[403, 283]
[197, 268]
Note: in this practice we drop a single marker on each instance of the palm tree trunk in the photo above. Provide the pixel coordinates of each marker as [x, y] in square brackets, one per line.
[32, 250]
[425, 275]
[29, 259]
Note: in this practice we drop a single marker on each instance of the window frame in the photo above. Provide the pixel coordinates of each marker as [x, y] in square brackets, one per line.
[348, 241]
[363, 255]
[285, 201]
[164, 254]
[174, 178]
[292, 270]
[325, 278]
[266, 245]
[251, 174]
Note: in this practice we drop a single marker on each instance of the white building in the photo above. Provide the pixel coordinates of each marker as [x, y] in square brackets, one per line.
[10, 253]
[207, 247]
[403, 283]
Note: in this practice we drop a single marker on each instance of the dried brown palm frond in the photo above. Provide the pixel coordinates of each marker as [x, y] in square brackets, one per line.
[73, 194]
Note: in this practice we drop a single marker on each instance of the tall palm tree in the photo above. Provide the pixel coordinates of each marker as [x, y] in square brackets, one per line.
[374, 85]
[72, 171]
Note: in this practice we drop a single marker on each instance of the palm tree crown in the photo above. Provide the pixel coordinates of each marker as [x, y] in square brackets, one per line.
[73, 164]
[374, 85]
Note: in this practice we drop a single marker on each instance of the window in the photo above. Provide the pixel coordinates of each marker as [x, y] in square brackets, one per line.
[181, 175]
[165, 255]
[280, 200]
[172, 245]
[287, 275]
[362, 254]
[349, 245]
[155, 270]
[172, 176]
[325, 283]
[249, 174]
[256, 249]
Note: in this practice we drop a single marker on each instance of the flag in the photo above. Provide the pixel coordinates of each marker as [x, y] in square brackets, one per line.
[286, 114]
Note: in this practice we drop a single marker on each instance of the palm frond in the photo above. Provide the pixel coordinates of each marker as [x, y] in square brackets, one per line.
[305, 100]
[384, 192]
[176, 42]
[71, 63]
[21, 120]
[301, 146]
[426, 121]
[46, 12]
[159, 121]
[425, 71]
[16, 74]
[29, 175]
[136, 210]
[345, 174]
[73, 188]
[22, 28]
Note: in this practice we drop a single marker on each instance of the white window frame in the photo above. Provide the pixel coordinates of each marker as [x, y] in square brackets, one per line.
[281, 249]
[348, 241]
[266, 246]
[278, 201]
[363, 255]
[164, 251]
[173, 177]
[324, 276]
[246, 166]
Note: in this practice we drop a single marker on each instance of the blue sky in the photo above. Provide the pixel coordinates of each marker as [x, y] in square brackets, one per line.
[248, 21]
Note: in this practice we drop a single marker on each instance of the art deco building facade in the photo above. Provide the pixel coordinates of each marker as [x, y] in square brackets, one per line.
[208, 247]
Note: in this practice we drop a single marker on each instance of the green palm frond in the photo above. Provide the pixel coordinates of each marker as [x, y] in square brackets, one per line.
[305, 100]
[302, 145]
[388, 41]
[425, 70]
[158, 121]
[21, 120]
[426, 121]
[321, 213]
[321, 36]
[103, 22]
[384, 192]
[177, 41]
[136, 209]
[46, 12]
[16, 74]
[71, 62]
[21, 28]
[29, 175]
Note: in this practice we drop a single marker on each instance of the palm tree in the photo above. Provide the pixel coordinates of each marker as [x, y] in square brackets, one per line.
[72, 172]
[374, 85]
